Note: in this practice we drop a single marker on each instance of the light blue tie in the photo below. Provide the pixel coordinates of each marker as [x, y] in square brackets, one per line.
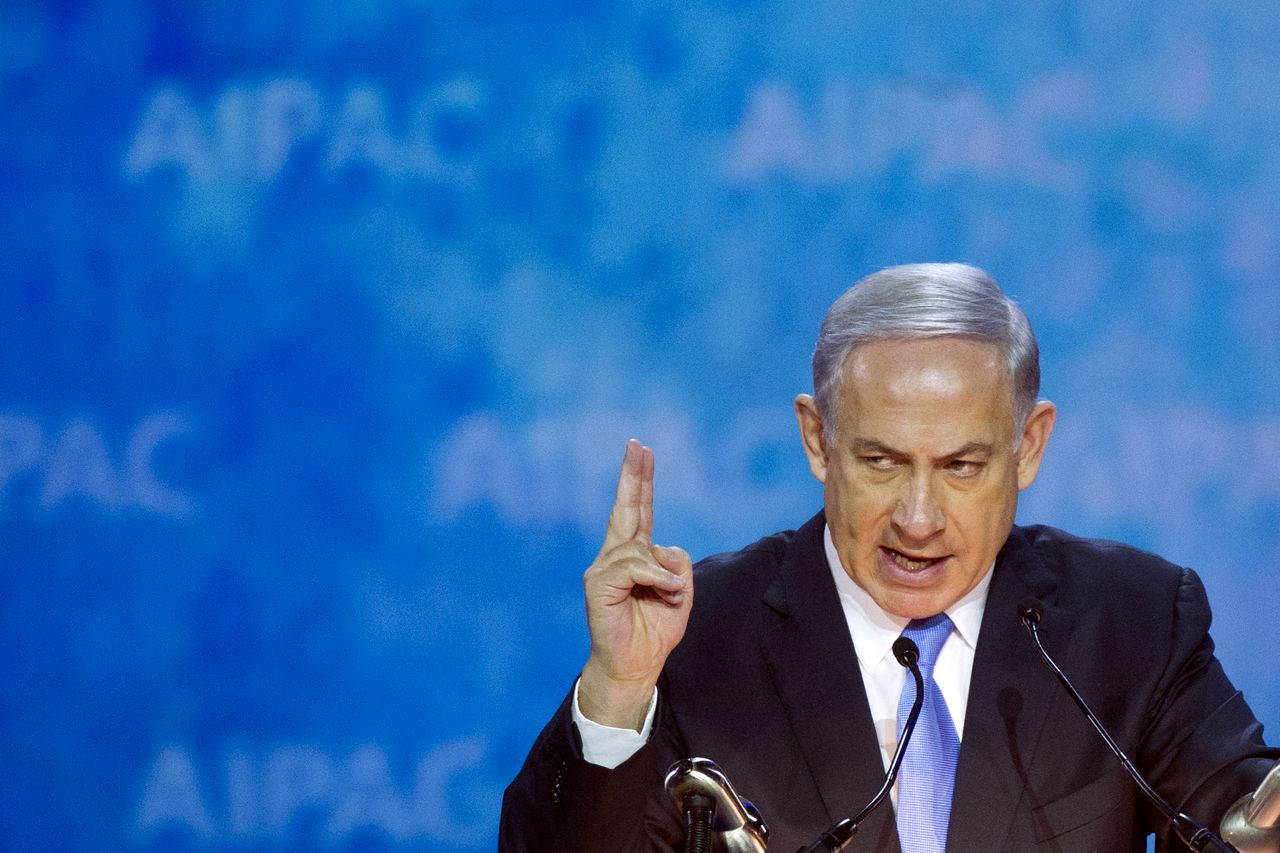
[928, 771]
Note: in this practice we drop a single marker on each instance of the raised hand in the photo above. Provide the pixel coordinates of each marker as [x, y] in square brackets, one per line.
[638, 599]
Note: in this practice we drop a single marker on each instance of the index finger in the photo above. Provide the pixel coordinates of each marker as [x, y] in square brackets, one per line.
[632, 514]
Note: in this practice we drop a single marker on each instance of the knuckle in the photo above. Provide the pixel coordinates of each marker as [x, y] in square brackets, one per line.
[620, 562]
[622, 551]
[632, 565]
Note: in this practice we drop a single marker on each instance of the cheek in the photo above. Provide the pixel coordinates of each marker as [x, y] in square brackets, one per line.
[863, 509]
[986, 515]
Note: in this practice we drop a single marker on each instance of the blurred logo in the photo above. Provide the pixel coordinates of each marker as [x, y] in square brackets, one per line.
[250, 134]
[297, 790]
[940, 128]
[74, 462]
[564, 468]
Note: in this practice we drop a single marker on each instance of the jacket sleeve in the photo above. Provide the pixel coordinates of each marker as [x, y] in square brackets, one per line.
[1202, 746]
[559, 802]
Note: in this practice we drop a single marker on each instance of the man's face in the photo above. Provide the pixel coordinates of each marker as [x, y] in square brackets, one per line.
[922, 477]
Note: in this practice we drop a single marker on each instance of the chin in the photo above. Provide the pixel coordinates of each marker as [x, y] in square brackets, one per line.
[917, 604]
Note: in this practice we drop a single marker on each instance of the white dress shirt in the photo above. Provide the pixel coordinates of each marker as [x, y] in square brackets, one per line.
[873, 632]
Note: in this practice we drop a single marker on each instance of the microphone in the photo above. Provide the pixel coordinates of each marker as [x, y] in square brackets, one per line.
[1252, 825]
[692, 782]
[1194, 834]
[838, 836]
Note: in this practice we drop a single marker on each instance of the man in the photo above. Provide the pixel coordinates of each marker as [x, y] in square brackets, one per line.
[923, 428]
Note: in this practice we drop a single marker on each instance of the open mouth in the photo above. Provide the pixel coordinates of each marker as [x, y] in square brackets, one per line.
[911, 564]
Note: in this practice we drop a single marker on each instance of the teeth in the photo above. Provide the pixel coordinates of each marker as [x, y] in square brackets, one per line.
[908, 564]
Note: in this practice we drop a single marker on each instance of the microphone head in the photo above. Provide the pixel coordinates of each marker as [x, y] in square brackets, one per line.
[906, 651]
[1030, 610]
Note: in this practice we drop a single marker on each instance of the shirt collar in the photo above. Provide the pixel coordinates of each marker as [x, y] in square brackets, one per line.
[873, 630]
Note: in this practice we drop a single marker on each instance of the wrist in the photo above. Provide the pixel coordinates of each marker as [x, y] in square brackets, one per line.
[609, 701]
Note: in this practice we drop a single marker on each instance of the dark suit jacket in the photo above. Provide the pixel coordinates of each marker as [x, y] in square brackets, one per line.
[765, 683]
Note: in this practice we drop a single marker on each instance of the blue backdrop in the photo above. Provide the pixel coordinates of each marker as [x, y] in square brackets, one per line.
[323, 326]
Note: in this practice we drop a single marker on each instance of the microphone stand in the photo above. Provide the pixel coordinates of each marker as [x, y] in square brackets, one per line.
[838, 836]
[1252, 825]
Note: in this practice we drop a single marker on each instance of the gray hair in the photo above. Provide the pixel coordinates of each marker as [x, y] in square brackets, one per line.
[925, 301]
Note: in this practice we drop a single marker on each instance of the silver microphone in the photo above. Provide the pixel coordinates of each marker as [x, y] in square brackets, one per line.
[735, 824]
[1252, 825]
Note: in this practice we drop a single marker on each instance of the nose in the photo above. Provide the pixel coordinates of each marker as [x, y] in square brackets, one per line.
[917, 516]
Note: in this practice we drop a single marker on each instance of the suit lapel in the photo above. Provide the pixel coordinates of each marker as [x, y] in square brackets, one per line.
[810, 657]
[1009, 700]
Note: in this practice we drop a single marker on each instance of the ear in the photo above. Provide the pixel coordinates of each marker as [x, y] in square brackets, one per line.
[1035, 435]
[812, 436]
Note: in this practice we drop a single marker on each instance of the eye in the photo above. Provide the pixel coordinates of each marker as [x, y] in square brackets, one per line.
[964, 467]
[878, 463]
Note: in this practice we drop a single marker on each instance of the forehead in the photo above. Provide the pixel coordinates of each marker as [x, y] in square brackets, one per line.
[930, 381]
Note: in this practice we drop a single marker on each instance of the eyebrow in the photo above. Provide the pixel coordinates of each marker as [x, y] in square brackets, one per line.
[870, 445]
[864, 446]
[973, 448]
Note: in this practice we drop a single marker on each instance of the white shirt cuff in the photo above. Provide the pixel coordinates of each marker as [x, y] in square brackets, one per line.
[606, 746]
